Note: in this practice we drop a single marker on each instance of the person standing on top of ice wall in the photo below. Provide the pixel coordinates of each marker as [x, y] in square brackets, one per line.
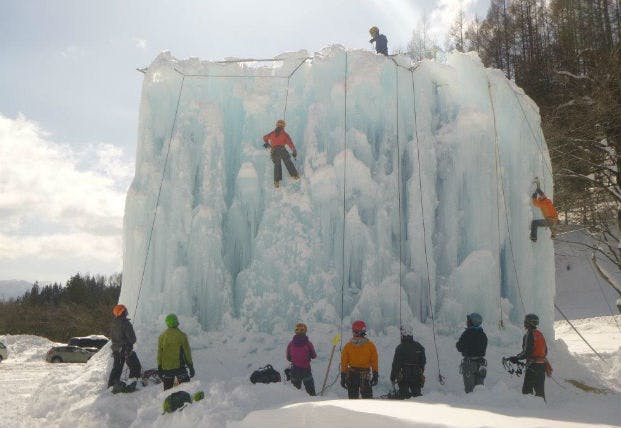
[549, 213]
[473, 344]
[534, 351]
[123, 338]
[381, 42]
[276, 142]
[359, 365]
[299, 353]
[174, 354]
[408, 365]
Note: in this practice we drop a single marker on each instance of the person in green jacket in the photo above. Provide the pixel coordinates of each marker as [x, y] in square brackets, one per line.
[174, 356]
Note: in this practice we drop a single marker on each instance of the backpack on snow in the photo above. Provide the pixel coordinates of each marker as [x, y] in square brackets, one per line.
[265, 374]
[175, 401]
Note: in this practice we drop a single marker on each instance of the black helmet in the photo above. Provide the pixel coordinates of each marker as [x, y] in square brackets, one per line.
[531, 321]
[474, 319]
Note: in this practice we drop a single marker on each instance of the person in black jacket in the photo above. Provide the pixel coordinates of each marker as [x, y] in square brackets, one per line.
[381, 42]
[123, 338]
[472, 344]
[408, 365]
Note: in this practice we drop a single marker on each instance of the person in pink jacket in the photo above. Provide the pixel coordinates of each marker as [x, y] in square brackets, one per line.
[299, 352]
[276, 142]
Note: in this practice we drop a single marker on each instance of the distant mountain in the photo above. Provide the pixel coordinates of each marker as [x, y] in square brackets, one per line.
[13, 288]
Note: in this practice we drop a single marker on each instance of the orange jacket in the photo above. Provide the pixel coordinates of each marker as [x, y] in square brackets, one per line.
[547, 208]
[279, 140]
[359, 353]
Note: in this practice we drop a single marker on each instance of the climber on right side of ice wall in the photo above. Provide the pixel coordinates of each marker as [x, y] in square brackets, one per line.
[276, 142]
[549, 213]
[380, 40]
[359, 363]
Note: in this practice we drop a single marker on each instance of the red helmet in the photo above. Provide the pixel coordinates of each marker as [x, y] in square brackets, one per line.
[119, 310]
[359, 327]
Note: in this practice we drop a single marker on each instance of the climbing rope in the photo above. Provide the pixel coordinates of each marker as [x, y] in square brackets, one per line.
[344, 206]
[504, 199]
[498, 179]
[577, 332]
[159, 193]
[284, 113]
[422, 209]
[399, 196]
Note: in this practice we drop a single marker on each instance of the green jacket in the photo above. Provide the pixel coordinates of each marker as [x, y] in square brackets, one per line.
[173, 350]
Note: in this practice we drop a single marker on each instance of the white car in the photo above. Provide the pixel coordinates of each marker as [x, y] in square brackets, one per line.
[3, 352]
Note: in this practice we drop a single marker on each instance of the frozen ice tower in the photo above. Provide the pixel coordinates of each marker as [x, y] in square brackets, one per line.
[414, 198]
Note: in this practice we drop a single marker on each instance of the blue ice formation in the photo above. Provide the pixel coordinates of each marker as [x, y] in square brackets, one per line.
[414, 199]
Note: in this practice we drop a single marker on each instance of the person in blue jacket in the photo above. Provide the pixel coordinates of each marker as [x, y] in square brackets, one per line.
[473, 344]
[381, 42]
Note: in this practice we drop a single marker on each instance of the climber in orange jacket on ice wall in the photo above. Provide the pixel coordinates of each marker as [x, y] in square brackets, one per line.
[549, 213]
[276, 142]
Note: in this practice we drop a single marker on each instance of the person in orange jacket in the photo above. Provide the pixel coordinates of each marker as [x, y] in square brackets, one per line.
[359, 366]
[276, 142]
[549, 213]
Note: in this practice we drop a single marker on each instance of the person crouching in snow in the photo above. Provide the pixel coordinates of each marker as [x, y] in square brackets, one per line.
[276, 142]
[174, 354]
[408, 365]
[123, 338]
[473, 344]
[359, 366]
[299, 353]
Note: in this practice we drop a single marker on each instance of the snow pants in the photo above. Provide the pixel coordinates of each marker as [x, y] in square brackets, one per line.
[168, 377]
[541, 223]
[410, 382]
[534, 379]
[120, 358]
[301, 375]
[280, 153]
[473, 371]
[359, 383]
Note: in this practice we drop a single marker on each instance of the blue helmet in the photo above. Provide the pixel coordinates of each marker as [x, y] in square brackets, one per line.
[474, 319]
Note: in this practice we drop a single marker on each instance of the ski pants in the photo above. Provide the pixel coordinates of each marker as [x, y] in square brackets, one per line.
[541, 223]
[168, 377]
[410, 382]
[120, 358]
[280, 153]
[534, 379]
[473, 371]
[301, 375]
[359, 383]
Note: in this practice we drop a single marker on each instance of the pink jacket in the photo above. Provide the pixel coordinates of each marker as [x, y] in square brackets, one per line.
[300, 351]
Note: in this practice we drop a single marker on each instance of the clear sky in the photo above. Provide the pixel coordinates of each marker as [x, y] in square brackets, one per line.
[69, 99]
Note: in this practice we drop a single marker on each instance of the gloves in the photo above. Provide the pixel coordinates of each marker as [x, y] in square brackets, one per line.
[192, 372]
[375, 378]
[295, 153]
[513, 360]
[267, 146]
[344, 380]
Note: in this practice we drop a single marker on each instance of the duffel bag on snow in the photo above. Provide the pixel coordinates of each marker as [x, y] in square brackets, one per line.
[265, 374]
[176, 401]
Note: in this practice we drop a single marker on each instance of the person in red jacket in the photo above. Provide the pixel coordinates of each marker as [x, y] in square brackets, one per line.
[276, 142]
[549, 213]
[534, 351]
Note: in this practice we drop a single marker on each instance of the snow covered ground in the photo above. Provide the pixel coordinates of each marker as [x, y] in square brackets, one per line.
[38, 394]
